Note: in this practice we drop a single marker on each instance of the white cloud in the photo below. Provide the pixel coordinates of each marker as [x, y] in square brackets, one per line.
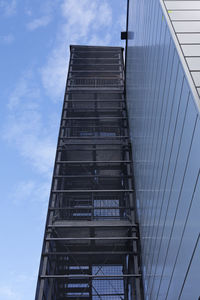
[83, 22]
[8, 7]
[24, 88]
[30, 190]
[39, 22]
[22, 190]
[104, 16]
[79, 16]
[55, 72]
[99, 41]
[122, 20]
[25, 128]
[7, 39]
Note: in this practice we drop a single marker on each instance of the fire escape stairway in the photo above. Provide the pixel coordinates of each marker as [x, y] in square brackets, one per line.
[91, 245]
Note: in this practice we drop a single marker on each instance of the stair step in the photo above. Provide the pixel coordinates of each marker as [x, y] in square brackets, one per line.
[77, 280]
[78, 272]
[77, 290]
[76, 298]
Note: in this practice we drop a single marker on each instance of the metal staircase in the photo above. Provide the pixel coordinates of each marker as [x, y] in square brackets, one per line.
[91, 243]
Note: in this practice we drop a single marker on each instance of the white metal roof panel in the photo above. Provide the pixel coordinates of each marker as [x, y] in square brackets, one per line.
[189, 38]
[183, 19]
[193, 63]
[185, 26]
[185, 15]
[191, 50]
[180, 5]
[196, 77]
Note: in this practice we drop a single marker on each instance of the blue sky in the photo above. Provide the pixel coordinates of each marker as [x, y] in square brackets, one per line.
[34, 41]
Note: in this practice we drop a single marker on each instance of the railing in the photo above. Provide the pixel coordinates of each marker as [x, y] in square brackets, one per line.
[95, 82]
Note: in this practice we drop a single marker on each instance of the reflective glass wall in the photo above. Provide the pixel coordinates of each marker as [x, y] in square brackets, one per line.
[165, 132]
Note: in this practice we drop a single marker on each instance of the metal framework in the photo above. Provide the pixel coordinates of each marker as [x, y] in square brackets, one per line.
[91, 243]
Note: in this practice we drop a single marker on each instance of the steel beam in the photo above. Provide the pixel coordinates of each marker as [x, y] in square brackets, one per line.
[92, 238]
[102, 277]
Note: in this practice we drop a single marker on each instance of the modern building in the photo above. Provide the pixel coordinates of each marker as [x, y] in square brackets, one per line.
[123, 216]
[162, 88]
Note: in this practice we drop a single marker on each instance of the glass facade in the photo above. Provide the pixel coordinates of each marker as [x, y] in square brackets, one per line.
[165, 133]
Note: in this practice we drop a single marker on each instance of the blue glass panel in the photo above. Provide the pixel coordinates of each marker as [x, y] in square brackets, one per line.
[162, 119]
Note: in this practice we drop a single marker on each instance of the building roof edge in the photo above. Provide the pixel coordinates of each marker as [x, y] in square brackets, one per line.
[181, 56]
